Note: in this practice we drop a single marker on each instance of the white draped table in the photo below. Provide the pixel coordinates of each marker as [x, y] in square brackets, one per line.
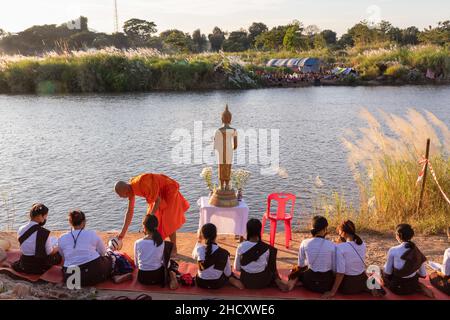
[227, 220]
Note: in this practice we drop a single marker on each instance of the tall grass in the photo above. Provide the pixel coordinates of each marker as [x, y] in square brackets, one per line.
[119, 71]
[113, 70]
[383, 158]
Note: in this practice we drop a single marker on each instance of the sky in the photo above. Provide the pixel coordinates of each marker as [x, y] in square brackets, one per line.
[229, 15]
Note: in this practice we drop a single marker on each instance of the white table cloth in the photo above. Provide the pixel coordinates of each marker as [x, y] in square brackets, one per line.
[227, 220]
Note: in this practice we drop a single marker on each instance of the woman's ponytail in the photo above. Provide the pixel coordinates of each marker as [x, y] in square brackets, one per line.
[405, 233]
[209, 233]
[150, 224]
[349, 228]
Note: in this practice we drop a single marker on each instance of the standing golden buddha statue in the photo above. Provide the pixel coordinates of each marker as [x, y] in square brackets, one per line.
[225, 142]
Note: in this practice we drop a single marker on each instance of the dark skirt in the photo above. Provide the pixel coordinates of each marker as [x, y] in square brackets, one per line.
[35, 265]
[441, 283]
[317, 281]
[314, 281]
[257, 280]
[211, 284]
[93, 272]
[152, 277]
[402, 286]
[354, 284]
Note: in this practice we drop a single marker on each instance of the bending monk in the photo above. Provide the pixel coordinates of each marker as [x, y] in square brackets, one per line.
[164, 201]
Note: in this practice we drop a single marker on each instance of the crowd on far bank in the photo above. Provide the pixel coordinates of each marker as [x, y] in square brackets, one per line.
[323, 266]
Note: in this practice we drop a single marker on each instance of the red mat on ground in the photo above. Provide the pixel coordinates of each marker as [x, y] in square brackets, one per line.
[54, 275]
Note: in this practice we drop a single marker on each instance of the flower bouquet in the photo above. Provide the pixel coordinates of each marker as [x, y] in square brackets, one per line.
[240, 178]
[206, 174]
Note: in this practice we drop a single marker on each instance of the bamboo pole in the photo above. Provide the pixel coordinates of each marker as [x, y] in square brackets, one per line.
[424, 178]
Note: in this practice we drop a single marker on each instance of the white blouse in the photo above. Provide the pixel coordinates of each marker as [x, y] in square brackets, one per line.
[88, 248]
[28, 247]
[255, 266]
[394, 260]
[350, 258]
[147, 256]
[446, 263]
[210, 273]
[318, 254]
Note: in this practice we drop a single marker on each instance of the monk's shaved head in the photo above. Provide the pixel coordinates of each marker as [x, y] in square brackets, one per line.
[123, 189]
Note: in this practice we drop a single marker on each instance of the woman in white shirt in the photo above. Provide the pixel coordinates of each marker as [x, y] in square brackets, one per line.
[256, 260]
[316, 260]
[441, 279]
[84, 249]
[351, 277]
[214, 269]
[152, 256]
[38, 248]
[405, 265]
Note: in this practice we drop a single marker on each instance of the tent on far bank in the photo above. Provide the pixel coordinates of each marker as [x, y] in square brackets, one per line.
[305, 65]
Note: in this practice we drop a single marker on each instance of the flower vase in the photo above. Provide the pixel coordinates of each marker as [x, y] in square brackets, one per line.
[239, 194]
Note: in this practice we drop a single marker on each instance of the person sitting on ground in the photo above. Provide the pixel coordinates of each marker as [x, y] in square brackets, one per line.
[405, 264]
[84, 249]
[351, 277]
[316, 260]
[257, 261]
[152, 256]
[214, 268]
[441, 279]
[38, 249]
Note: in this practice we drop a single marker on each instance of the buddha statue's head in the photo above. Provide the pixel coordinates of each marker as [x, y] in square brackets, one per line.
[226, 116]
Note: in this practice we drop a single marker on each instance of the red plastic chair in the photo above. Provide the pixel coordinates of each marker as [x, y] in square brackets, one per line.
[282, 199]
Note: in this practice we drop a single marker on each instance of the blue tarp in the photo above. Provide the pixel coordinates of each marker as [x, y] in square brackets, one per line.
[302, 64]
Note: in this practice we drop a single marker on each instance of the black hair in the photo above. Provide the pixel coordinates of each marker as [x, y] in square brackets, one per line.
[76, 218]
[348, 227]
[150, 224]
[405, 233]
[38, 209]
[318, 223]
[209, 233]
[254, 228]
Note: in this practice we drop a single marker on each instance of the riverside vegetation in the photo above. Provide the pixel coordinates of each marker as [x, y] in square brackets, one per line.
[384, 160]
[59, 59]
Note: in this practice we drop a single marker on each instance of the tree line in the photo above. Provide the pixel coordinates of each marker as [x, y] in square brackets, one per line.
[138, 33]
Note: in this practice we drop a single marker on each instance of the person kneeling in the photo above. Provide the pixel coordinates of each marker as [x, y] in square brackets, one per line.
[257, 260]
[84, 249]
[441, 279]
[38, 248]
[405, 265]
[152, 256]
[214, 269]
[316, 260]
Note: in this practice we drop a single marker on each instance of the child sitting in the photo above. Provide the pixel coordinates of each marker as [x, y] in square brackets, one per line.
[39, 250]
[152, 256]
[214, 269]
[257, 260]
[405, 265]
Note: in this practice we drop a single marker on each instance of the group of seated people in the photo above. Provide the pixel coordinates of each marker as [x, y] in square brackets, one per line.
[323, 266]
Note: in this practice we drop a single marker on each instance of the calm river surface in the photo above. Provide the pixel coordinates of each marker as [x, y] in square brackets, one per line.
[68, 151]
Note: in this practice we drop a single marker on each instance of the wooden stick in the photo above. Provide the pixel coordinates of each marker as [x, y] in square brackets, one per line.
[424, 178]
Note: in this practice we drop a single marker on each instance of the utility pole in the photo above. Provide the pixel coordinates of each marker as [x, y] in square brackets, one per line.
[116, 18]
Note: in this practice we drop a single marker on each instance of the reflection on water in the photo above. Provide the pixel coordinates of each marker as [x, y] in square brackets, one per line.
[67, 151]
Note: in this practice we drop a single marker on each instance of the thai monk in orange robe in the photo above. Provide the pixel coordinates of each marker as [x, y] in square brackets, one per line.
[163, 198]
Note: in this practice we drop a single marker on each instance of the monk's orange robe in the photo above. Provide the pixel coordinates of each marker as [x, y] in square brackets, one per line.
[172, 206]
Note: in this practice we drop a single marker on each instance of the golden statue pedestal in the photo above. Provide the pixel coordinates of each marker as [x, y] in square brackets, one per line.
[224, 199]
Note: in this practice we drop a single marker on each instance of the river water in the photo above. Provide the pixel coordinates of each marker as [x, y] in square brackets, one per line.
[67, 151]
